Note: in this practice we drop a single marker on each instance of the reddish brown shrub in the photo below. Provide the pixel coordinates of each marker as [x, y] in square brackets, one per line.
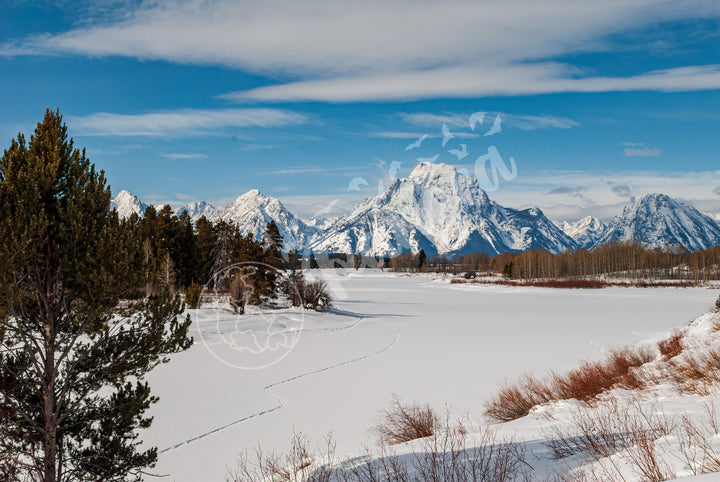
[672, 346]
[515, 401]
[402, 423]
[583, 383]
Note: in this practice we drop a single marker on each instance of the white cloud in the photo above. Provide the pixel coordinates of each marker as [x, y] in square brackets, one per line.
[427, 119]
[512, 121]
[178, 155]
[376, 49]
[638, 149]
[535, 122]
[398, 135]
[258, 147]
[604, 193]
[479, 81]
[182, 122]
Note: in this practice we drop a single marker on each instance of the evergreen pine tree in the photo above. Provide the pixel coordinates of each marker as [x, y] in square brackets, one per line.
[72, 363]
[422, 260]
[205, 243]
[266, 277]
[222, 253]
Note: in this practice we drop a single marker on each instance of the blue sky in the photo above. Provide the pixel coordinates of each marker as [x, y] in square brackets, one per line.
[205, 99]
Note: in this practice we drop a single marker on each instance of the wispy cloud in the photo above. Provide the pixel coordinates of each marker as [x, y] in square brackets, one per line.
[479, 81]
[510, 121]
[178, 155]
[183, 122]
[493, 48]
[336, 169]
[620, 189]
[606, 192]
[258, 147]
[535, 122]
[427, 119]
[397, 135]
[638, 149]
[716, 190]
[575, 191]
[299, 170]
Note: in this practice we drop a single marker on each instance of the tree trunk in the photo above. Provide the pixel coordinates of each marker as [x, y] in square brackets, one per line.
[50, 428]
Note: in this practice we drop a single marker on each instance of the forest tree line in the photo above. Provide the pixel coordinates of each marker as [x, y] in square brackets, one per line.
[615, 259]
[187, 256]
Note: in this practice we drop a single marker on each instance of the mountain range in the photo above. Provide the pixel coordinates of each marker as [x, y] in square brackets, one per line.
[443, 211]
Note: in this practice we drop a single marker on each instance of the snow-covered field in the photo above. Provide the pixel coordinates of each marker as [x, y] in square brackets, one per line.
[415, 336]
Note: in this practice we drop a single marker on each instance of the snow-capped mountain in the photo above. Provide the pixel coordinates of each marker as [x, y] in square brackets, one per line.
[373, 232]
[715, 216]
[441, 211]
[199, 209]
[585, 231]
[319, 223]
[252, 211]
[656, 220]
[127, 204]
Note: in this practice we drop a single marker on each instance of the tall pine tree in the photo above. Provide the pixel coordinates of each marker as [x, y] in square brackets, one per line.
[73, 356]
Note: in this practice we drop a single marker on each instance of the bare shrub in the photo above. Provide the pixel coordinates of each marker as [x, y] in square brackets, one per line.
[620, 369]
[467, 452]
[369, 468]
[516, 400]
[699, 372]
[402, 423]
[695, 444]
[671, 346]
[593, 378]
[240, 293]
[584, 382]
[315, 294]
[300, 464]
[614, 431]
[458, 452]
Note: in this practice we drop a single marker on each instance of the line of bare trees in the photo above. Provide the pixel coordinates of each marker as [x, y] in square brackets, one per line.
[612, 260]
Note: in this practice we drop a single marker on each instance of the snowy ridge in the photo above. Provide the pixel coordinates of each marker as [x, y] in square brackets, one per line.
[657, 220]
[444, 212]
[585, 231]
[715, 216]
[127, 204]
[199, 209]
[441, 211]
[252, 211]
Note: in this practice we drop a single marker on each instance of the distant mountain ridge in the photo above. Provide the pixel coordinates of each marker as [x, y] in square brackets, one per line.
[128, 204]
[657, 220]
[585, 231]
[442, 211]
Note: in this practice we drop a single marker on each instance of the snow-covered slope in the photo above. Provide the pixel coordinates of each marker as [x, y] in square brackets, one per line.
[199, 209]
[127, 204]
[656, 220]
[444, 209]
[585, 231]
[374, 232]
[715, 216]
[252, 211]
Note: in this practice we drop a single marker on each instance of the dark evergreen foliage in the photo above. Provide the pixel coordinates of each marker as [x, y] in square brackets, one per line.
[75, 339]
